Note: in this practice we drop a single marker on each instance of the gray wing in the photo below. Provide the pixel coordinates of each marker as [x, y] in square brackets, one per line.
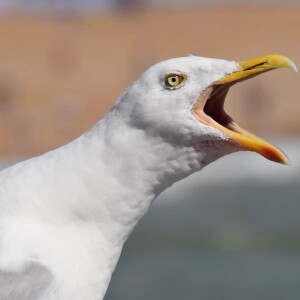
[28, 285]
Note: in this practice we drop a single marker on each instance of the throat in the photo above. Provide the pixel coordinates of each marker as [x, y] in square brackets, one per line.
[138, 168]
[214, 107]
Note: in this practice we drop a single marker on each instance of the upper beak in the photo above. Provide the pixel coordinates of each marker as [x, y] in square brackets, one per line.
[256, 66]
[243, 138]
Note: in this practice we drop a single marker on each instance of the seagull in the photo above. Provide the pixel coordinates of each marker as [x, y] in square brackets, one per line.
[65, 215]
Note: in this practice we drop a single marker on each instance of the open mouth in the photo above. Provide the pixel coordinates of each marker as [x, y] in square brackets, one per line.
[209, 109]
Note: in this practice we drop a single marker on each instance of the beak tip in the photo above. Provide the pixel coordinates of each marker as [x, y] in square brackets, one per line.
[293, 66]
[274, 154]
[284, 160]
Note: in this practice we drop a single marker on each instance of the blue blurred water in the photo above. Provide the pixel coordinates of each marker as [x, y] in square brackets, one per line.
[237, 242]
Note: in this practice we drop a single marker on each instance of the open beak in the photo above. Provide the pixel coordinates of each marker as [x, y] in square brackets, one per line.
[209, 109]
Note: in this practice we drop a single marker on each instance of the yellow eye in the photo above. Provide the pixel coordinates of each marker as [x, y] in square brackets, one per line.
[174, 80]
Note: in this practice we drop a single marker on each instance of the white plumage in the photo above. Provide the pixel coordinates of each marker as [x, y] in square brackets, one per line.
[65, 215]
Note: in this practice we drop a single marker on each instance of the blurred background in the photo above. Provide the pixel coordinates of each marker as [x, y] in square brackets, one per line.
[231, 231]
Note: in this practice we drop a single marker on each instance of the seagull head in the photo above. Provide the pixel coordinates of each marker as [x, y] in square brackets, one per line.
[182, 101]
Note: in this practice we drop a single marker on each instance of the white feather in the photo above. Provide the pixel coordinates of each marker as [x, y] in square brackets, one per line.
[65, 215]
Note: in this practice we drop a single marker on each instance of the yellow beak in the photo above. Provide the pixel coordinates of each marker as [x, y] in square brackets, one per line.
[243, 138]
[256, 66]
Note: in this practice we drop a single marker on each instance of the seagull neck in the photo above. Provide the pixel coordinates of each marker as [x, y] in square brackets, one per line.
[140, 165]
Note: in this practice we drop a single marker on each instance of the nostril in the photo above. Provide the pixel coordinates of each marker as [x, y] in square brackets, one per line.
[256, 66]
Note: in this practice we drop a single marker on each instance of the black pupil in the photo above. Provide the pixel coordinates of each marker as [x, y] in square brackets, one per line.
[173, 79]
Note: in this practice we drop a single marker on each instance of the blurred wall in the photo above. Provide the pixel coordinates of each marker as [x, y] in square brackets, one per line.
[60, 73]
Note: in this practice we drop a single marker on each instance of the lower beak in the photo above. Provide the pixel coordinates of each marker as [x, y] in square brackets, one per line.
[243, 138]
